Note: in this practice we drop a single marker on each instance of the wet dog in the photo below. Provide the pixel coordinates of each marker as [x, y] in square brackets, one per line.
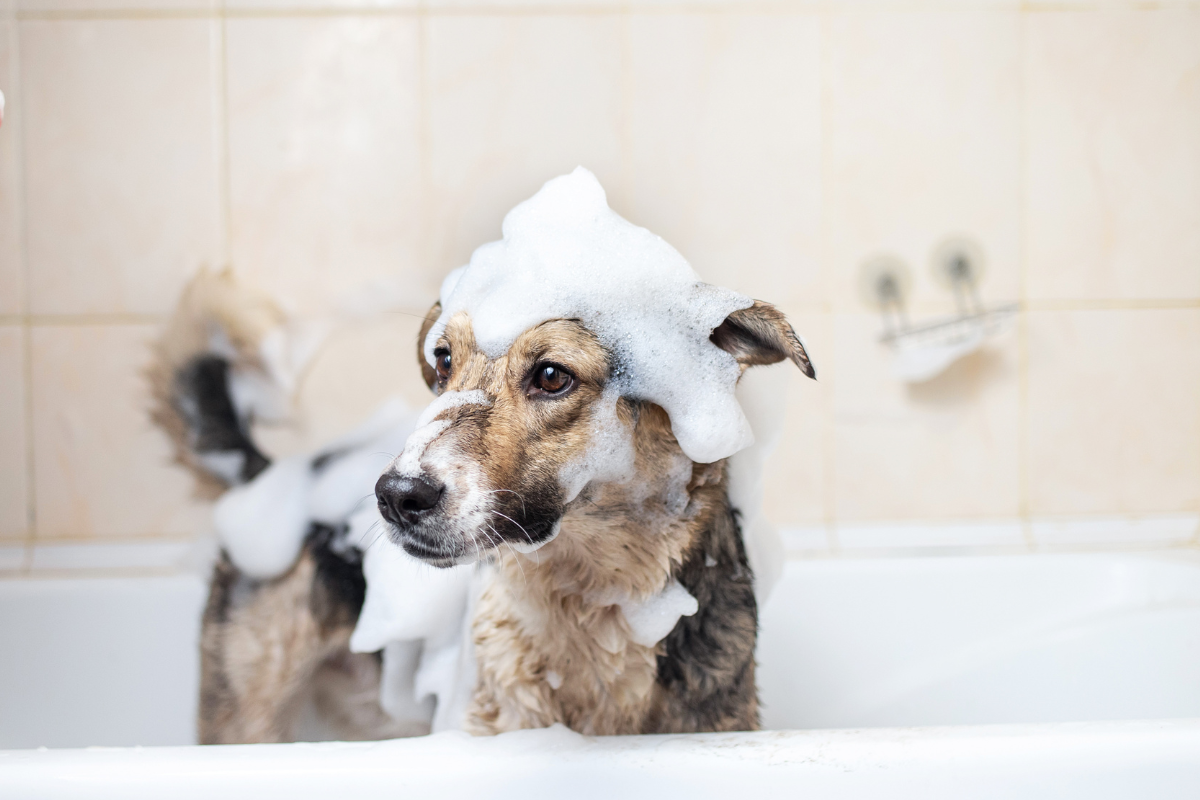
[503, 470]
[551, 643]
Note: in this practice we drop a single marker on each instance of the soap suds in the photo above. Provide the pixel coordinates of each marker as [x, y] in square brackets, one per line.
[566, 255]
[429, 428]
[262, 524]
[651, 620]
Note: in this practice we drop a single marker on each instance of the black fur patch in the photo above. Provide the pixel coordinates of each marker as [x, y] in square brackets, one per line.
[201, 397]
[708, 666]
[339, 587]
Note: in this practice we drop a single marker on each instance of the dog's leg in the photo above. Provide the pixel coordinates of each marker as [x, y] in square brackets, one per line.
[270, 647]
[261, 644]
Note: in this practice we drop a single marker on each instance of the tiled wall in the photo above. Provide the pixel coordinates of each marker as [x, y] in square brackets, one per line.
[325, 148]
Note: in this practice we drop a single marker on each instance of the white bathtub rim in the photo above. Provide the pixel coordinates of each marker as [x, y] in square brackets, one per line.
[1094, 759]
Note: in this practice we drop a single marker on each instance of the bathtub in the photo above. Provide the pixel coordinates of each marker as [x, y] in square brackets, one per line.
[1051, 675]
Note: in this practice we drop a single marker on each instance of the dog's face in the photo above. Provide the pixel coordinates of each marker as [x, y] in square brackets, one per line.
[511, 441]
[489, 468]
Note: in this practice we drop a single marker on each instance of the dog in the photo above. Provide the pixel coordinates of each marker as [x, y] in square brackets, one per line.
[580, 493]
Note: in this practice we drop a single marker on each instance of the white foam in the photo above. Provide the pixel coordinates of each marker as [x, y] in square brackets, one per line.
[262, 524]
[347, 482]
[651, 620]
[566, 255]
[409, 462]
[406, 598]
[429, 427]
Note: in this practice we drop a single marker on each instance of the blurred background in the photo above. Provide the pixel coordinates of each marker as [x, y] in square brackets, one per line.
[345, 155]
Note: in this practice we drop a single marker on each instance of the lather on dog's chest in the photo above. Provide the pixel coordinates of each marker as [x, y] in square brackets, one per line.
[550, 649]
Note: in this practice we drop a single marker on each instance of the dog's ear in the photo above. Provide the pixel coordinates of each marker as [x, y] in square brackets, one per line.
[427, 372]
[761, 335]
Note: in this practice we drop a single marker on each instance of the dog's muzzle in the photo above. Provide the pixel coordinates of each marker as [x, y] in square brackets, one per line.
[404, 501]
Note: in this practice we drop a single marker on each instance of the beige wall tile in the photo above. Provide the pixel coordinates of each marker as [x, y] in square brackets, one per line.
[944, 449]
[303, 5]
[1114, 412]
[725, 133]
[41, 6]
[359, 367]
[924, 143]
[1113, 171]
[101, 468]
[794, 475]
[325, 165]
[514, 101]
[120, 174]
[12, 282]
[14, 515]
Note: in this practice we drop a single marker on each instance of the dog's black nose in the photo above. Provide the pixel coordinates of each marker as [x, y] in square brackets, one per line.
[402, 500]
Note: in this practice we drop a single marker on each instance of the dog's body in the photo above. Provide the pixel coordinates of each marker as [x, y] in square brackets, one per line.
[583, 501]
[275, 665]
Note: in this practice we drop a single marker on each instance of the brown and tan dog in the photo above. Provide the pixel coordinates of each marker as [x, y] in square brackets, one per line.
[551, 645]
[551, 642]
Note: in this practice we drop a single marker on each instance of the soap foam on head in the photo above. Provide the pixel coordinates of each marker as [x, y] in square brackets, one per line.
[566, 255]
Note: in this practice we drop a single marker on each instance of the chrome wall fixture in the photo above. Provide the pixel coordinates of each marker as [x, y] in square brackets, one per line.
[923, 351]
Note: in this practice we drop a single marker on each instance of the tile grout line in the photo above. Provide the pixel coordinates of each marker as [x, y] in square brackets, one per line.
[27, 301]
[1023, 444]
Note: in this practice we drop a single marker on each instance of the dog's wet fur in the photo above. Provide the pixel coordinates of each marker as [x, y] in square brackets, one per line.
[551, 643]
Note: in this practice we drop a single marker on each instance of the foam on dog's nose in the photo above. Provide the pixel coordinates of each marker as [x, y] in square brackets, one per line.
[429, 427]
[566, 255]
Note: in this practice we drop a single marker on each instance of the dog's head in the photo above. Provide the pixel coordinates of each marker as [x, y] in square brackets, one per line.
[512, 440]
[543, 352]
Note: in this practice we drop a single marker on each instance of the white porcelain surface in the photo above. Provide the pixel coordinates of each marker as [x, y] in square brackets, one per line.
[849, 642]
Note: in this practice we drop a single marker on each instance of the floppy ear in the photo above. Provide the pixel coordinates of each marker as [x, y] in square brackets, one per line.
[761, 335]
[427, 372]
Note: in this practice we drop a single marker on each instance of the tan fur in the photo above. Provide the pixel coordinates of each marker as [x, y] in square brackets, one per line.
[265, 656]
[547, 612]
[553, 611]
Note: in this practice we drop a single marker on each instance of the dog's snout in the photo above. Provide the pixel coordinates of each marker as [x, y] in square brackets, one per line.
[402, 500]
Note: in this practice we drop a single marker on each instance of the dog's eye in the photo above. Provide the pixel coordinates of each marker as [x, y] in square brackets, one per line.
[441, 363]
[551, 379]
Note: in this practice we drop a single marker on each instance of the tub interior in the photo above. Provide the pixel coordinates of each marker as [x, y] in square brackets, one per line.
[853, 642]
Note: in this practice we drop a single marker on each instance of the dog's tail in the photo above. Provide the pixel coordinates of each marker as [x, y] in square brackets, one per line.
[213, 374]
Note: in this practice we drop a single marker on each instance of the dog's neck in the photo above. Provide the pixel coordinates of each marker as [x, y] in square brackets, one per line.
[623, 540]
[551, 642]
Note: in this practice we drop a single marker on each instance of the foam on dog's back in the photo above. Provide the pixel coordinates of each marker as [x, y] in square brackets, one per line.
[566, 255]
